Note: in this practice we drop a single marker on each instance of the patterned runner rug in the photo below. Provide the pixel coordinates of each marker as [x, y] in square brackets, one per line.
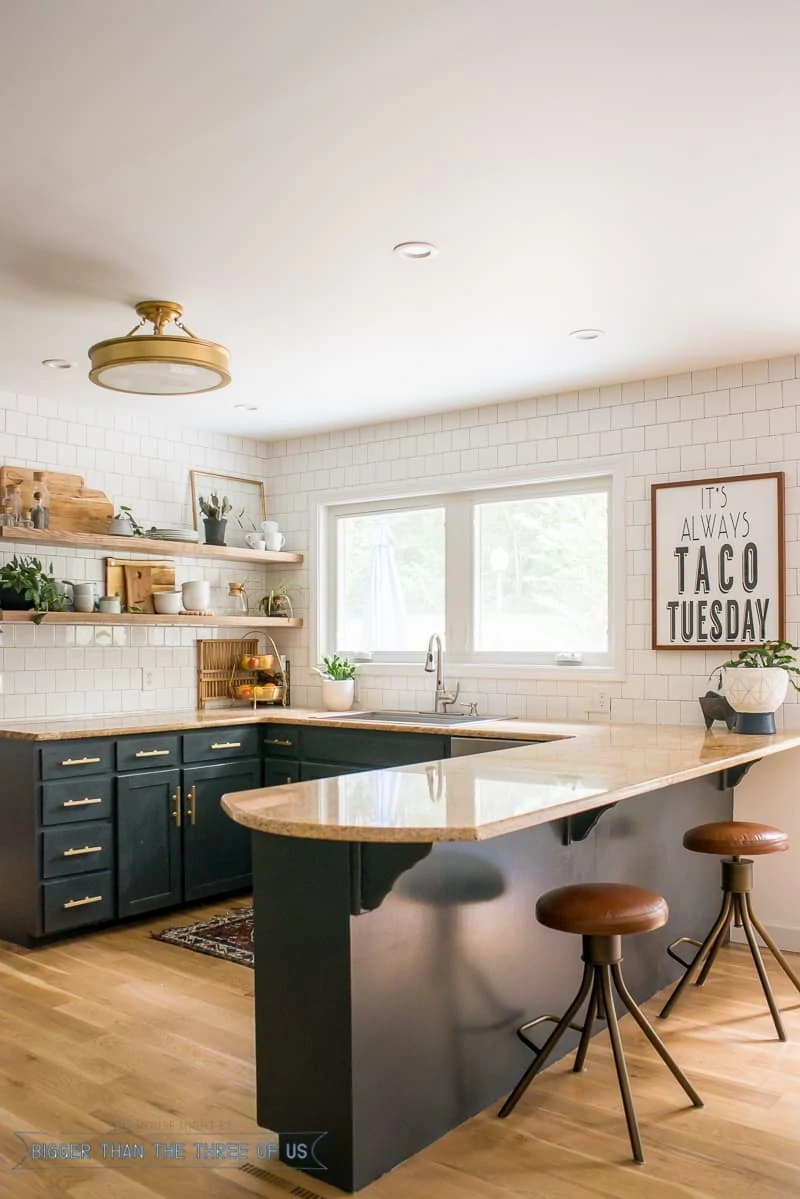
[229, 936]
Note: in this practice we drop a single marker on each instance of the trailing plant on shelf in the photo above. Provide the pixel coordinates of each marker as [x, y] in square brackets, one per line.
[125, 517]
[25, 584]
[278, 600]
[770, 654]
[337, 668]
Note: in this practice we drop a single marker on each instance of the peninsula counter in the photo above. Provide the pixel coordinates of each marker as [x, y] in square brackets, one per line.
[395, 939]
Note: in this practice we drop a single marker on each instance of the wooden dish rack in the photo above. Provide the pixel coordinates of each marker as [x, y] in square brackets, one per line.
[218, 671]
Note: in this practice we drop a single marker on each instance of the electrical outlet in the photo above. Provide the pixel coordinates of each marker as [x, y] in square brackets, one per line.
[148, 680]
[600, 701]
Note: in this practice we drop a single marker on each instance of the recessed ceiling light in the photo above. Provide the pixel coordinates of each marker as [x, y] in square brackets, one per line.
[415, 249]
[58, 364]
[246, 407]
[586, 334]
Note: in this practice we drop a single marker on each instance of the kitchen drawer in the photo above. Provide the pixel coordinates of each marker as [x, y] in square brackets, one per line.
[369, 747]
[77, 799]
[277, 773]
[222, 744]
[72, 902]
[66, 758]
[77, 848]
[148, 752]
[280, 740]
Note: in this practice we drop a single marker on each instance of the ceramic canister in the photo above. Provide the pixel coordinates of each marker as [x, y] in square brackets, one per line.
[196, 595]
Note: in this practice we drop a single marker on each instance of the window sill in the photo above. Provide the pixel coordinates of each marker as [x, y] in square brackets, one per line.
[466, 670]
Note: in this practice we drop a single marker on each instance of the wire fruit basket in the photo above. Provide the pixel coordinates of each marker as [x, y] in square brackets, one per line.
[222, 673]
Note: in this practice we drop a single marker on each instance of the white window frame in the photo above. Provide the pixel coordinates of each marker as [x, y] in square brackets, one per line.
[459, 502]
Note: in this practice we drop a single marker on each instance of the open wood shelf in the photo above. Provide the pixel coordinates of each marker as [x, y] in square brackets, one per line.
[148, 618]
[148, 545]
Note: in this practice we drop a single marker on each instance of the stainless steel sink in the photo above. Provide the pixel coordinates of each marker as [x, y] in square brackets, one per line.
[389, 717]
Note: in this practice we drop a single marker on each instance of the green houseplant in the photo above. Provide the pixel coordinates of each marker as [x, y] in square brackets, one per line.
[125, 524]
[755, 683]
[277, 601]
[338, 683]
[215, 511]
[25, 584]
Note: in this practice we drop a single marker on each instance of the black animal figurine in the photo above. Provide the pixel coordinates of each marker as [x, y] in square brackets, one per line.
[716, 707]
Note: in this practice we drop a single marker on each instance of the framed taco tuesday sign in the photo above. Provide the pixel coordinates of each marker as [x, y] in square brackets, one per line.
[717, 562]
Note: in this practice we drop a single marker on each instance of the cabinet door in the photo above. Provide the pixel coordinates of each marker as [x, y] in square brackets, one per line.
[327, 770]
[148, 841]
[216, 850]
[278, 773]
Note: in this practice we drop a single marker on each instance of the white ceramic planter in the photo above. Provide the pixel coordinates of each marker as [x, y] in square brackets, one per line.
[338, 694]
[755, 688]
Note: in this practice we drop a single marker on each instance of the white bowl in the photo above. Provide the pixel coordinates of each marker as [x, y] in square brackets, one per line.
[167, 603]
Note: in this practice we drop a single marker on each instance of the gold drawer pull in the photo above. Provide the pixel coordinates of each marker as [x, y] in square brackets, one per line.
[192, 809]
[81, 803]
[177, 813]
[78, 761]
[76, 853]
[227, 745]
[152, 753]
[81, 903]
[277, 741]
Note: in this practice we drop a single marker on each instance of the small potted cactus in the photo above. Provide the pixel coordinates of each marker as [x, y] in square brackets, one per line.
[214, 511]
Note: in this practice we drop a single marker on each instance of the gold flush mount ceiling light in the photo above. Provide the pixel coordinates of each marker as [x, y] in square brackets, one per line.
[158, 363]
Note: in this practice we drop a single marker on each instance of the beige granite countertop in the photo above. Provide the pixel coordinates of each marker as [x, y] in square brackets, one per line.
[120, 724]
[485, 795]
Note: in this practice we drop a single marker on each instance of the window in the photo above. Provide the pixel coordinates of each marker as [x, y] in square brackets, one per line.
[513, 575]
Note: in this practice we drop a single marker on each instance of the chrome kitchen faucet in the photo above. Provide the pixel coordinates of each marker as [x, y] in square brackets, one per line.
[443, 696]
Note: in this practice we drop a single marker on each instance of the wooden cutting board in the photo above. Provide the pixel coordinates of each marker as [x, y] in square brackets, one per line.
[135, 581]
[73, 506]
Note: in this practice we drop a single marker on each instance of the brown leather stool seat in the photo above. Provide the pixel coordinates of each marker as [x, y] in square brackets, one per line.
[735, 837]
[730, 840]
[602, 909]
[602, 914]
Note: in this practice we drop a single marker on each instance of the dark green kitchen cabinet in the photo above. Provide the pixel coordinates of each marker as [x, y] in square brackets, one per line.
[216, 850]
[150, 849]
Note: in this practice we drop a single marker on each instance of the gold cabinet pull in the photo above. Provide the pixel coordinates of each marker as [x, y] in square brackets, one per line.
[76, 853]
[78, 761]
[81, 803]
[192, 809]
[227, 745]
[177, 814]
[277, 741]
[81, 903]
[152, 753]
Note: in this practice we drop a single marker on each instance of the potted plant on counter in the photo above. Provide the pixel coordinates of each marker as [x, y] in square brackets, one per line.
[338, 683]
[25, 585]
[755, 682]
[215, 511]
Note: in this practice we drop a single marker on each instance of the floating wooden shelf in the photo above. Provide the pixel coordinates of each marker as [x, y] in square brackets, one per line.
[147, 618]
[149, 545]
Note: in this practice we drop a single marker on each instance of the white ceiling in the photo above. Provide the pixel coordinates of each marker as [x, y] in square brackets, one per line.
[627, 165]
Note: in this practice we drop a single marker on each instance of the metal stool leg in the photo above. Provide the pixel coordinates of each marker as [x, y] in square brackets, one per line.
[653, 1037]
[770, 944]
[549, 1045]
[591, 1015]
[619, 1062]
[715, 948]
[720, 924]
[762, 973]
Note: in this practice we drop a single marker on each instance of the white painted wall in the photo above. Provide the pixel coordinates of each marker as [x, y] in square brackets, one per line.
[769, 793]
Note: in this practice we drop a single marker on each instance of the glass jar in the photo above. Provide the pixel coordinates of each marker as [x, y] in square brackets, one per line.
[239, 605]
[40, 509]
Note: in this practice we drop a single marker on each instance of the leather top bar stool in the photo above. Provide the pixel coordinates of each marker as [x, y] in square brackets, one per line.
[601, 913]
[733, 838]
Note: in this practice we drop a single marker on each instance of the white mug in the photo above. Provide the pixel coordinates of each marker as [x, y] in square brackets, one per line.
[275, 541]
[269, 526]
[255, 541]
